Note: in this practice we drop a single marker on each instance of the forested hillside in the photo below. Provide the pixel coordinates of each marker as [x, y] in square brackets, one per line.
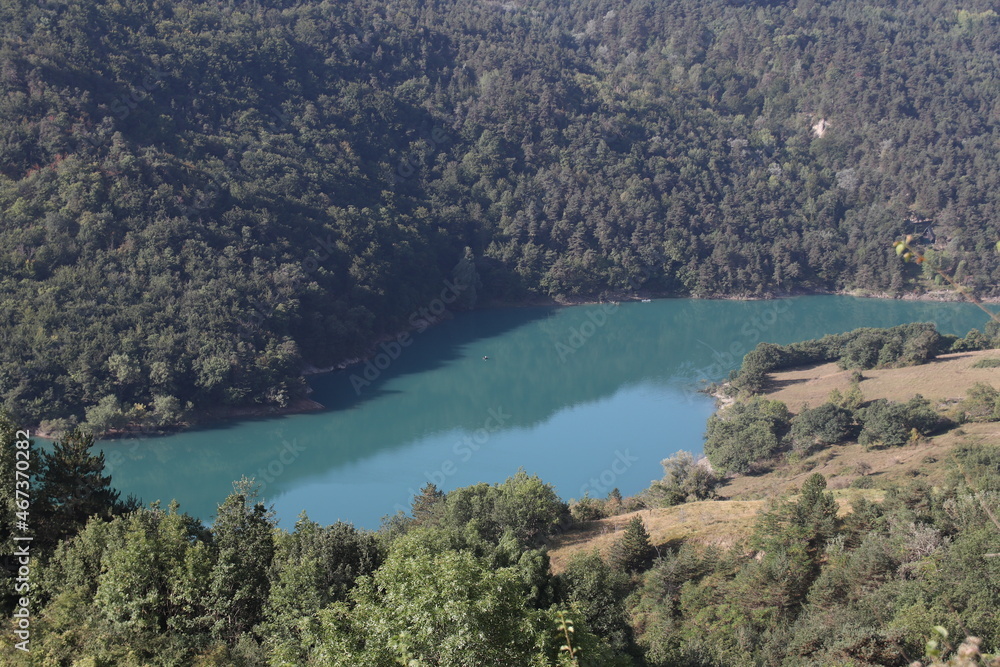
[198, 197]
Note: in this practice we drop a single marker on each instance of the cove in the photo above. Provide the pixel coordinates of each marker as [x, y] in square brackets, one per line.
[587, 397]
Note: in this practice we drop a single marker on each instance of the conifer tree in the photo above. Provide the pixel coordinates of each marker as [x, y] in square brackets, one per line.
[72, 487]
[425, 505]
[633, 552]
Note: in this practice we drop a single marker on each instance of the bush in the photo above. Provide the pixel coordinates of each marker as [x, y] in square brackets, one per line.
[889, 424]
[683, 480]
[992, 362]
[860, 349]
[746, 433]
[522, 504]
[974, 340]
[863, 482]
[588, 509]
[107, 415]
[981, 403]
[599, 592]
[826, 425]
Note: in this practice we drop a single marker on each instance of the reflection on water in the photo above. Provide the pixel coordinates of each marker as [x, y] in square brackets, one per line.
[589, 398]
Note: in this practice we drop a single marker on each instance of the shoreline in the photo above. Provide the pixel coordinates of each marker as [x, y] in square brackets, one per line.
[204, 417]
[303, 404]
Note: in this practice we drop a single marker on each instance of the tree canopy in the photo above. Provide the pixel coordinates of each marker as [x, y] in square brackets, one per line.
[197, 199]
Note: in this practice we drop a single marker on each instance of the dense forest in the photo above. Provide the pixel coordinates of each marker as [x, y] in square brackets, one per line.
[198, 198]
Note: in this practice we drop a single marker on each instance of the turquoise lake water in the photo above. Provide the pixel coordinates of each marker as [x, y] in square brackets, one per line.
[587, 397]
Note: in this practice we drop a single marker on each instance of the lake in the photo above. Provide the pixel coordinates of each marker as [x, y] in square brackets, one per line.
[589, 398]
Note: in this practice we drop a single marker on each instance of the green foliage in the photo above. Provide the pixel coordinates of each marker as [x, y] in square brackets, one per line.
[854, 398]
[238, 585]
[684, 480]
[156, 587]
[599, 591]
[746, 433]
[633, 552]
[339, 158]
[889, 424]
[861, 349]
[448, 609]
[588, 509]
[981, 403]
[523, 505]
[312, 567]
[71, 487]
[128, 591]
[823, 426]
[974, 340]
[987, 363]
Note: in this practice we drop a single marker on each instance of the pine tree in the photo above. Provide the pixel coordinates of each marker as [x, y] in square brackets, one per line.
[633, 552]
[426, 505]
[72, 487]
[614, 502]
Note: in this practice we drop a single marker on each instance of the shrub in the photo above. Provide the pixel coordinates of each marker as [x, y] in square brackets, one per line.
[992, 362]
[588, 509]
[826, 425]
[981, 404]
[890, 424]
[683, 480]
[863, 482]
[974, 340]
[746, 433]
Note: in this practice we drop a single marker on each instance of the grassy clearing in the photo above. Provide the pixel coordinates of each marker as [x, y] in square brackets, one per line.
[946, 378]
[708, 522]
[943, 381]
[841, 465]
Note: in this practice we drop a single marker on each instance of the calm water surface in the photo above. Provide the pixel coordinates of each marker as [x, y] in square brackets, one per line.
[588, 397]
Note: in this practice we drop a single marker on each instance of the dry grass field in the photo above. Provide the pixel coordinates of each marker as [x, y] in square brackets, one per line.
[943, 381]
[945, 378]
[726, 521]
[708, 522]
[842, 464]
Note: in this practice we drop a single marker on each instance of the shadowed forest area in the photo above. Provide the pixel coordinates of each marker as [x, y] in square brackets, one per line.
[199, 198]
